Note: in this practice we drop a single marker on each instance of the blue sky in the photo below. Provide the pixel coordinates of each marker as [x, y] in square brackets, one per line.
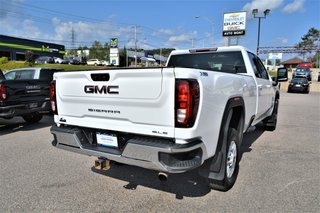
[165, 24]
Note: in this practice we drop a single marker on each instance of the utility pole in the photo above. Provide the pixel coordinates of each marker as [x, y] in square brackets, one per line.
[126, 57]
[73, 38]
[135, 45]
[255, 12]
[160, 56]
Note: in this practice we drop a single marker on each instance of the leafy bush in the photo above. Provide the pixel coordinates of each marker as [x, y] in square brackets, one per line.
[3, 60]
[68, 67]
[12, 65]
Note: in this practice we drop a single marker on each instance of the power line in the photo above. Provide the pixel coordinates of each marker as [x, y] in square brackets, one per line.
[161, 37]
[289, 49]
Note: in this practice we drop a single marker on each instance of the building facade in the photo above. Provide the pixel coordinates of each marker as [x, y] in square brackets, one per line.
[14, 48]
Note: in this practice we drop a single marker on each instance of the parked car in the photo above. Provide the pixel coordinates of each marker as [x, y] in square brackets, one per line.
[93, 62]
[105, 63]
[44, 60]
[302, 72]
[25, 92]
[57, 60]
[75, 61]
[299, 85]
[65, 61]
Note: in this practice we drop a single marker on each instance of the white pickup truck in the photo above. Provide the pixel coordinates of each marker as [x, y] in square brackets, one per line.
[190, 114]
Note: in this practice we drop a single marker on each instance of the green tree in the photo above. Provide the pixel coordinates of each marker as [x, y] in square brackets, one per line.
[71, 53]
[29, 57]
[164, 51]
[310, 42]
[106, 50]
[123, 57]
[99, 51]
[316, 60]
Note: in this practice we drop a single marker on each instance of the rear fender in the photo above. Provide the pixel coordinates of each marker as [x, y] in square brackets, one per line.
[212, 168]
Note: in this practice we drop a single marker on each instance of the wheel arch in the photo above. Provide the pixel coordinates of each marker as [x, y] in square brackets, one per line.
[236, 107]
[233, 117]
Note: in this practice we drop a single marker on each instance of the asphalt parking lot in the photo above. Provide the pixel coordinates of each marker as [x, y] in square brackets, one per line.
[279, 172]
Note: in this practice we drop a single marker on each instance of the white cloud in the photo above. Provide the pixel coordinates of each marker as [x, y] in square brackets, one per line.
[29, 28]
[296, 5]
[88, 32]
[181, 40]
[284, 40]
[262, 5]
[163, 32]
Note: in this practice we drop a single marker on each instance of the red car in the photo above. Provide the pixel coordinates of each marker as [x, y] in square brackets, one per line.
[305, 65]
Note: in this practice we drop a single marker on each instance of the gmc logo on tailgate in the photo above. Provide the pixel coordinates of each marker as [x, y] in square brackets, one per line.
[94, 89]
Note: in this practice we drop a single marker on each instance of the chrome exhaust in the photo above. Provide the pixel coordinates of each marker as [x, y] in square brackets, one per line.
[102, 164]
[162, 176]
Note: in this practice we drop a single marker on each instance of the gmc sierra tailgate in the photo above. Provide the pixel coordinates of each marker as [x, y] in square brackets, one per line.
[31, 92]
[127, 100]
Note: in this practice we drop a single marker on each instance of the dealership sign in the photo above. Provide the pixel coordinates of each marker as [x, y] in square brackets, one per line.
[113, 42]
[275, 55]
[234, 24]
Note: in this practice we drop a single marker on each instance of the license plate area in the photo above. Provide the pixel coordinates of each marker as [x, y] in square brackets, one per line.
[33, 105]
[107, 140]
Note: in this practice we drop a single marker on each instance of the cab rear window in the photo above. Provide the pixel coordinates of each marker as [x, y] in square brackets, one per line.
[228, 62]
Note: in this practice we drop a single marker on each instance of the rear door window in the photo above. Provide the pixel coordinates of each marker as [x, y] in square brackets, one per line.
[20, 75]
[258, 67]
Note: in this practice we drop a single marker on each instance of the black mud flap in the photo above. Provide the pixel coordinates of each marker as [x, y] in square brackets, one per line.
[212, 168]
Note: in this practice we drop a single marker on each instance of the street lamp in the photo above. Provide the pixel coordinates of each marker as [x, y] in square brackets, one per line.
[255, 12]
[211, 22]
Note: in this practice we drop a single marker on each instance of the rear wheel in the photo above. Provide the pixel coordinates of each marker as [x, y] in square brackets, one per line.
[232, 158]
[32, 118]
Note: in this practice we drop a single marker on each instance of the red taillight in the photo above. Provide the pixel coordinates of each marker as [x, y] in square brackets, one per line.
[53, 99]
[3, 94]
[187, 102]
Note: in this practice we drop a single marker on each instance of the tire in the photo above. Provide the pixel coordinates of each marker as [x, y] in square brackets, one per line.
[270, 122]
[32, 118]
[231, 165]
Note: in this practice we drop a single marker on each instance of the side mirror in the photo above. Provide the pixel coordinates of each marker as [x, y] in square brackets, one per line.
[282, 75]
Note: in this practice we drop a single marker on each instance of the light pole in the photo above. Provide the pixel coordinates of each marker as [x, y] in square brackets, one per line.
[212, 23]
[255, 12]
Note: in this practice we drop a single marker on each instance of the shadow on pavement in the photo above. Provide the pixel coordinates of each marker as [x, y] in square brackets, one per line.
[249, 138]
[18, 124]
[189, 184]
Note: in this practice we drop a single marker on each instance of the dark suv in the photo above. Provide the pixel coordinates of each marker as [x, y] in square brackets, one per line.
[302, 72]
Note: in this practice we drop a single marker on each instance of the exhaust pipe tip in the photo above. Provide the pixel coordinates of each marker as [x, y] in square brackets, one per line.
[102, 164]
[163, 176]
